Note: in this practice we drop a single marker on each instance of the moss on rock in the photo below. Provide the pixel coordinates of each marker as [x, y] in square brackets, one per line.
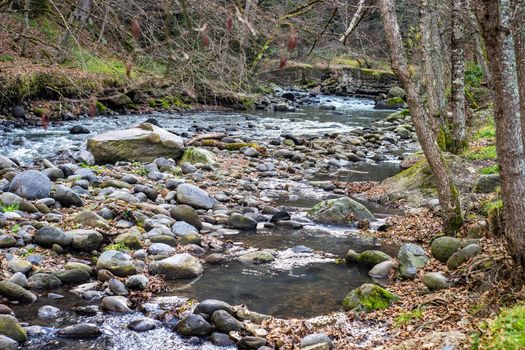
[195, 155]
[368, 297]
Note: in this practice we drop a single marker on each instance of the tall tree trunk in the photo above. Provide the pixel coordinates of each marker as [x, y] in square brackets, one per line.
[519, 40]
[448, 196]
[458, 139]
[433, 62]
[494, 17]
[25, 30]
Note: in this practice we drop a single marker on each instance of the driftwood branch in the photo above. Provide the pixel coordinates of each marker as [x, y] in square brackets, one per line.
[208, 136]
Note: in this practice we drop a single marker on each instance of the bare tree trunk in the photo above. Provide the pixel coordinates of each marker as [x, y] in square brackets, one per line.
[494, 17]
[25, 30]
[447, 193]
[519, 40]
[355, 20]
[458, 139]
[433, 66]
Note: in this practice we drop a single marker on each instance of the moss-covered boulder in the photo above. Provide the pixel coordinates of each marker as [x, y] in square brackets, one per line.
[391, 103]
[442, 248]
[10, 327]
[368, 297]
[339, 211]
[143, 143]
[117, 263]
[15, 292]
[370, 258]
[194, 155]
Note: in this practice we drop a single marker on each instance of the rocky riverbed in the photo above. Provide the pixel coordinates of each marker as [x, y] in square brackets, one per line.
[111, 245]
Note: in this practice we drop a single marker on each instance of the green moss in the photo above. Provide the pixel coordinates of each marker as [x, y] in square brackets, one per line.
[487, 132]
[505, 332]
[195, 155]
[9, 208]
[40, 112]
[101, 108]
[168, 102]
[117, 246]
[482, 153]
[6, 58]
[368, 297]
[407, 317]
[493, 169]
[492, 206]
[394, 101]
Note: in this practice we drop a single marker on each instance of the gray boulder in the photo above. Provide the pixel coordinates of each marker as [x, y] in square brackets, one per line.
[7, 343]
[442, 248]
[435, 281]
[462, 256]
[242, 222]
[411, 257]
[31, 184]
[381, 270]
[371, 258]
[15, 292]
[187, 214]
[194, 197]
[194, 325]
[81, 330]
[209, 306]
[85, 240]
[67, 197]
[316, 338]
[49, 235]
[178, 266]
[225, 322]
[143, 143]
[117, 263]
[43, 281]
[116, 303]
[339, 211]
[10, 327]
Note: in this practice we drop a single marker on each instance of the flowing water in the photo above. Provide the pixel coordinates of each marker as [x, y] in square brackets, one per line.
[297, 284]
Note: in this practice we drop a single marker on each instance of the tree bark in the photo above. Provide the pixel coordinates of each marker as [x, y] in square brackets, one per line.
[433, 62]
[518, 28]
[355, 19]
[494, 17]
[25, 30]
[447, 193]
[458, 139]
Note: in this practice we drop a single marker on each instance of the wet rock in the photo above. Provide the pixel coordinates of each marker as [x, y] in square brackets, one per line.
[280, 216]
[251, 343]
[10, 327]
[463, 256]
[351, 256]
[7, 343]
[221, 339]
[31, 184]
[371, 258]
[74, 276]
[315, 339]
[411, 257]
[368, 297]
[20, 279]
[242, 222]
[142, 325]
[381, 270]
[194, 197]
[48, 312]
[187, 214]
[81, 330]
[257, 257]
[14, 292]
[139, 282]
[116, 304]
[435, 281]
[90, 310]
[43, 281]
[6, 163]
[178, 266]
[207, 307]
[73, 265]
[49, 235]
[225, 322]
[160, 249]
[215, 259]
[79, 129]
[339, 211]
[53, 173]
[91, 219]
[117, 287]
[143, 143]
[117, 263]
[194, 325]
[442, 248]
[301, 249]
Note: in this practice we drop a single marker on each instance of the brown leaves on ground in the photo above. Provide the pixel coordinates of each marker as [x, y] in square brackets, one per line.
[417, 226]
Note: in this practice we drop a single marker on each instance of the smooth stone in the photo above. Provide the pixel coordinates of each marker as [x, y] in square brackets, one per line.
[435, 281]
[31, 184]
[221, 339]
[81, 330]
[67, 197]
[178, 266]
[339, 211]
[117, 287]
[139, 282]
[225, 322]
[74, 276]
[14, 292]
[116, 303]
[10, 327]
[194, 325]
[209, 306]
[7, 343]
[85, 240]
[117, 263]
[186, 213]
[443, 247]
[49, 235]
[48, 312]
[20, 279]
[242, 222]
[194, 197]
[381, 270]
[411, 258]
[462, 256]
[371, 258]
[43, 281]
[142, 325]
[251, 343]
[316, 338]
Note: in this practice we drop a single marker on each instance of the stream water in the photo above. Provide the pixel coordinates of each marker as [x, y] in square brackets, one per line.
[295, 285]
